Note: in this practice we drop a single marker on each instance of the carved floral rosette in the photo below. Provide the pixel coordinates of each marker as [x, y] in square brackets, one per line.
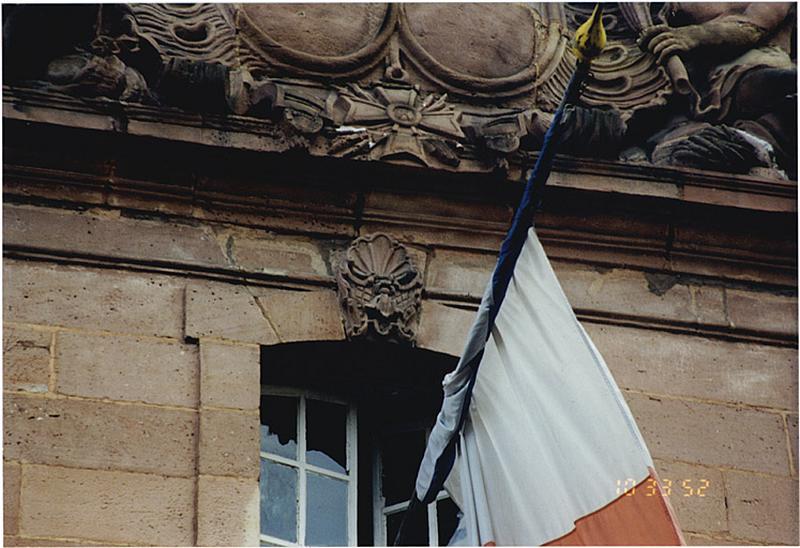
[379, 289]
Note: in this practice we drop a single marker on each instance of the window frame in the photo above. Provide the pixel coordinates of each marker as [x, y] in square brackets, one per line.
[381, 512]
[300, 464]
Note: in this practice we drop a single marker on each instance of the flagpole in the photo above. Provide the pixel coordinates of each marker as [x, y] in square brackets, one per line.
[590, 40]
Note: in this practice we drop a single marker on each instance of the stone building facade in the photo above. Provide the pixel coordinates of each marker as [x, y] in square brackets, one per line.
[202, 205]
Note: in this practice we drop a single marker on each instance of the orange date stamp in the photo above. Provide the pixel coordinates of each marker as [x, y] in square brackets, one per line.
[683, 487]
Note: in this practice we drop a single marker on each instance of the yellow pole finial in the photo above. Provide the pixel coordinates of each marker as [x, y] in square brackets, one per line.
[590, 38]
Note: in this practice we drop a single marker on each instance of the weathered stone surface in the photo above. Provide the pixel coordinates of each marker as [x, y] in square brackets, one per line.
[237, 193]
[111, 506]
[229, 375]
[93, 299]
[61, 189]
[407, 218]
[791, 423]
[698, 504]
[762, 508]
[762, 312]
[107, 233]
[255, 251]
[227, 312]
[703, 540]
[229, 443]
[11, 482]
[127, 368]
[681, 365]
[315, 315]
[61, 542]
[26, 359]
[444, 328]
[99, 435]
[227, 511]
[631, 293]
[712, 435]
[459, 272]
[618, 291]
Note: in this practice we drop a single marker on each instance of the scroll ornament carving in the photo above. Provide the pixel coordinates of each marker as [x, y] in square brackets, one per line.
[379, 289]
[459, 87]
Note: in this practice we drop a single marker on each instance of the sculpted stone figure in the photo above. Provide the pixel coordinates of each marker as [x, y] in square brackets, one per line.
[459, 87]
[742, 105]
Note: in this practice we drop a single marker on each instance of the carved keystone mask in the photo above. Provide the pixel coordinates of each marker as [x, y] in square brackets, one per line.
[379, 289]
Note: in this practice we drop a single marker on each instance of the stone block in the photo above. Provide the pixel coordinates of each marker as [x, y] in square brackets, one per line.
[693, 539]
[791, 424]
[11, 482]
[52, 188]
[229, 443]
[423, 219]
[103, 300]
[226, 312]
[60, 542]
[100, 435]
[455, 272]
[444, 328]
[227, 511]
[156, 200]
[763, 312]
[697, 494]
[712, 435]
[106, 233]
[26, 359]
[127, 368]
[230, 375]
[762, 508]
[629, 293]
[303, 315]
[247, 199]
[681, 365]
[281, 255]
[107, 506]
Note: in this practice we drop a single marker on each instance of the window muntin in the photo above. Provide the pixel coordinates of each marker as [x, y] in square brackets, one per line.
[308, 471]
[397, 458]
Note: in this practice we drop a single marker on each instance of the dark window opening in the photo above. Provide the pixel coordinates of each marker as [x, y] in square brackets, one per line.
[394, 393]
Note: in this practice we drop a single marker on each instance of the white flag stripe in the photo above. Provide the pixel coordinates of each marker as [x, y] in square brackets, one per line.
[548, 427]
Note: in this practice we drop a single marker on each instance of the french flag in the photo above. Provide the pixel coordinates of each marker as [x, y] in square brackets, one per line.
[548, 452]
[532, 425]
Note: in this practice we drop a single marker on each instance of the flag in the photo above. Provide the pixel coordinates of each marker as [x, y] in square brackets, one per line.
[543, 447]
[549, 452]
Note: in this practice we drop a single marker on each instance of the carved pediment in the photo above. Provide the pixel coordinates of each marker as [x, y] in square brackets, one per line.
[456, 86]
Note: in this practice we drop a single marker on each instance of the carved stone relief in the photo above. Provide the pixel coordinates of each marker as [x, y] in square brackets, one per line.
[379, 289]
[458, 87]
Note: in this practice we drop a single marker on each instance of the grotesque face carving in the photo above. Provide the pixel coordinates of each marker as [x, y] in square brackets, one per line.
[379, 289]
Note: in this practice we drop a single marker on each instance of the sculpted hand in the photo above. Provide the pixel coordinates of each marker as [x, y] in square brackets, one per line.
[665, 41]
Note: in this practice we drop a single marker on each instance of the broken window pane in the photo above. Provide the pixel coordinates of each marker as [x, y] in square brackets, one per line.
[326, 517]
[278, 500]
[279, 426]
[326, 435]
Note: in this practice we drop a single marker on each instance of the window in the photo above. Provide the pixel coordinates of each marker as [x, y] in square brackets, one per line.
[396, 462]
[308, 470]
[343, 430]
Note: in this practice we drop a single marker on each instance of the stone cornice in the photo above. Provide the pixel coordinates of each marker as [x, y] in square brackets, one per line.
[244, 133]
